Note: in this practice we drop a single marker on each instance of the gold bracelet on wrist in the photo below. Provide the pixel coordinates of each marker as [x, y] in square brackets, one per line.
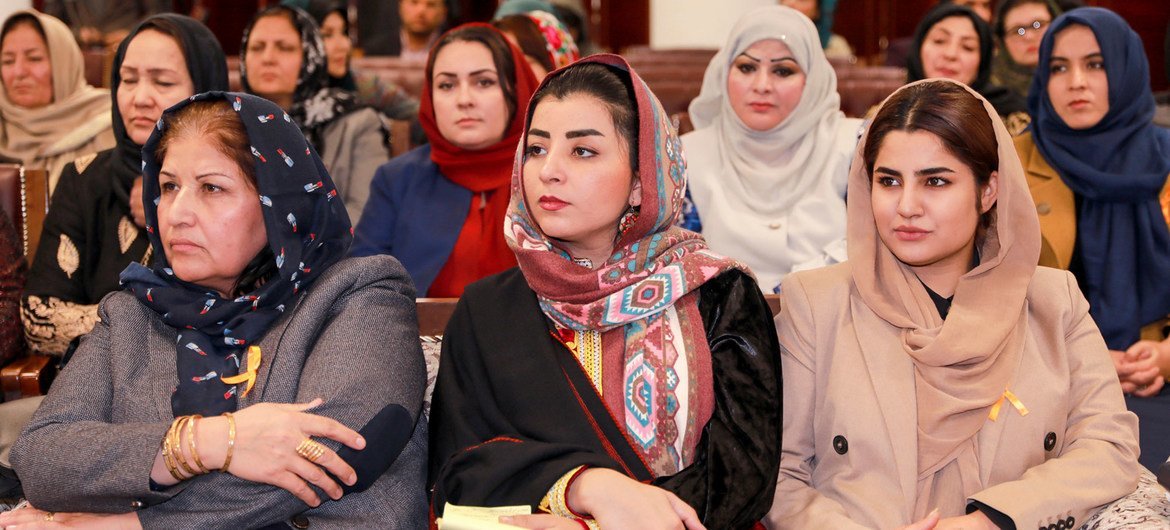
[168, 457]
[231, 443]
[191, 444]
[177, 446]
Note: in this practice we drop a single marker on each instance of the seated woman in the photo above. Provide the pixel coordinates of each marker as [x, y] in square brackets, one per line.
[542, 38]
[952, 42]
[1098, 170]
[1019, 26]
[439, 207]
[95, 228]
[624, 375]
[251, 347]
[392, 100]
[770, 154]
[939, 373]
[49, 115]
[282, 59]
[821, 13]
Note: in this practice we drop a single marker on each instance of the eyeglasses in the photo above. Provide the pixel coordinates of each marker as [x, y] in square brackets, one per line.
[1036, 28]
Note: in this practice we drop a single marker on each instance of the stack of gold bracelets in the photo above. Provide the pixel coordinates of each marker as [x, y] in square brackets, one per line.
[172, 447]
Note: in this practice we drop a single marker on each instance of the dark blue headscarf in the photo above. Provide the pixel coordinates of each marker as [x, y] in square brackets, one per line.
[308, 230]
[1117, 168]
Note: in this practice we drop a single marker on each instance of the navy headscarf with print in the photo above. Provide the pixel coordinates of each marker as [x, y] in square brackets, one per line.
[308, 230]
[1116, 168]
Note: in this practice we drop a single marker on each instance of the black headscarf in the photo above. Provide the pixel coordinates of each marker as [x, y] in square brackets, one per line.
[1005, 101]
[205, 64]
[315, 103]
[320, 11]
[308, 231]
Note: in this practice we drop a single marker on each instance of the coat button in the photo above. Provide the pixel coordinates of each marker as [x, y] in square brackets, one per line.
[1050, 441]
[1043, 208]
[840, 444]
[300, 522]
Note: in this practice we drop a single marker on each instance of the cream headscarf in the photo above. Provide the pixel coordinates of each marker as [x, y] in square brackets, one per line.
[78, 113]
[773, 199]
[961, 365]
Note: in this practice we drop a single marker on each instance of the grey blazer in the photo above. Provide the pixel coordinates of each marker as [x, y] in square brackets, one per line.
[351, 339]
[353, 146]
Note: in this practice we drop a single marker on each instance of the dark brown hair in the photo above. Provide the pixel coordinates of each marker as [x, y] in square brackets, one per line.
[528, 37]
[947, 111]
[216, 122]
[501, 56]
[604, 83]
[23, 19]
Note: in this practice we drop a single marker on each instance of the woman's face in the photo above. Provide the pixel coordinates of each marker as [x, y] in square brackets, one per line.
[209, 216]
[577, 176]
[924, 202]
[951, 50]
[1077, 84]
[469, 102]
[25, 67]
[154, 76]
[273, 59]
[1023, 27]
[764, 84]
[337, 44]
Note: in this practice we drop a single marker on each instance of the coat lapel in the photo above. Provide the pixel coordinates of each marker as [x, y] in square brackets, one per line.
[162, 365]
[891, 374]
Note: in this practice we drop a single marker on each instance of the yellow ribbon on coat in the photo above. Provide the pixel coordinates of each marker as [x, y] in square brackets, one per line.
[1011, 398]
[249, 375]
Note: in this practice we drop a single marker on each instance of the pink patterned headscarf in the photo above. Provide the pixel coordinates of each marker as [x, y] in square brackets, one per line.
[559, 43]
[643, 299]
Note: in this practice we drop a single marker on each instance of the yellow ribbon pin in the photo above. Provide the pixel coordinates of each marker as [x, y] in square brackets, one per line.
[1011, 398]
[249, 375]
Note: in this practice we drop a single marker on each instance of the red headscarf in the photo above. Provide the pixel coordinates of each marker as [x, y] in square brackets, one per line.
[480, 249]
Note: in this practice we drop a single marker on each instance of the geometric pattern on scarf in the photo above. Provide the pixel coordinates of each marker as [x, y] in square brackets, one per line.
[643, 298]
[308, 230]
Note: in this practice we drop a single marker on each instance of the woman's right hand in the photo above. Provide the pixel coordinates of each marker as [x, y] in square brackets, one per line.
[265, 449]
[1138, 368]
[616, 502]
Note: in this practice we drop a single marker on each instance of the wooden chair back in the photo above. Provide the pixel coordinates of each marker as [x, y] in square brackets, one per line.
[24, 197]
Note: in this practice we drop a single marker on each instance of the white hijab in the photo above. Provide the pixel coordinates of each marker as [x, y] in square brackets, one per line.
[774, 199]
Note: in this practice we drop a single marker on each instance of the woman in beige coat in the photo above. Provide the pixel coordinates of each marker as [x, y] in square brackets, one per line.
[939, 378]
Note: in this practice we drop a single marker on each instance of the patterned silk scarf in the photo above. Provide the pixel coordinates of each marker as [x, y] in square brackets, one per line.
[643, 299]
[308, 230]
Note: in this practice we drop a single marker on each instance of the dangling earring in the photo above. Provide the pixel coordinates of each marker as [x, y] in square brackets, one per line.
[627, 221]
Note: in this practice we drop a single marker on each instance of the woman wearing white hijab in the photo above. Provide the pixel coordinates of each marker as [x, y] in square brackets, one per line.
[769, 158]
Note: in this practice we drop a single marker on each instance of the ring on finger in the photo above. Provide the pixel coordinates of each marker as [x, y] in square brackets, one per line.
[310, 449]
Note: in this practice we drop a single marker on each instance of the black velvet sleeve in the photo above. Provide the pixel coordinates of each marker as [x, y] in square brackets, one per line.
[731, 482]
[478, 454]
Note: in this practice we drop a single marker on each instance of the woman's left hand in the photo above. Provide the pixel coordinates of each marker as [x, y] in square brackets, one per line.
[972, 521]
[29, 518]
[541, 521]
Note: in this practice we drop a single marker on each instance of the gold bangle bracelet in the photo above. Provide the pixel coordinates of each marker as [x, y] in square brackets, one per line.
[191, 443]
[168, 458]
[231, 443]
[177, 444]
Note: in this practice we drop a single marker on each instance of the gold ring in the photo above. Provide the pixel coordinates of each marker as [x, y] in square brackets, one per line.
[49, 516]
[310, 449]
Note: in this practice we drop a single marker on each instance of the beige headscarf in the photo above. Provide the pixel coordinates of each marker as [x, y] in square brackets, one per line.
[78, 113]
[964, 364]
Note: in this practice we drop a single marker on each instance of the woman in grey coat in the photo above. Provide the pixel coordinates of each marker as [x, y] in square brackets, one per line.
[251, 348]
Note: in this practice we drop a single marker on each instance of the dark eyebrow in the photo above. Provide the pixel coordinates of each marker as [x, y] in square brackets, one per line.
[922, 172]
[1094, 55]
[477, 72]
[579, 133]
[785, 59]
[540, 133]
[745, 54]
